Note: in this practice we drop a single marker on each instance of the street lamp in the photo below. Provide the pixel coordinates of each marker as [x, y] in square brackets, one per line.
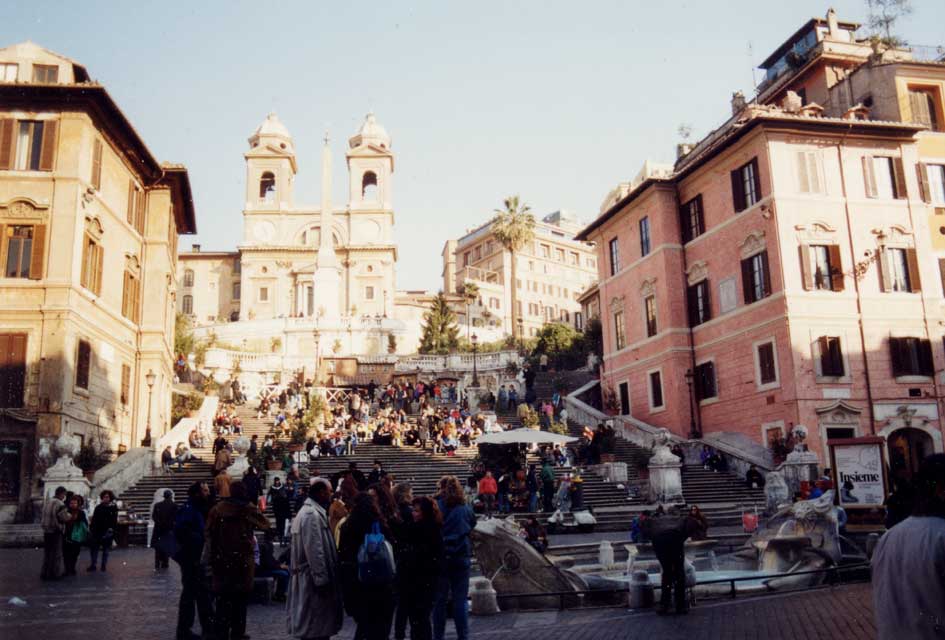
[693, 431]
[317, 335]
[521, 331]
[475, 346]
[150, 378]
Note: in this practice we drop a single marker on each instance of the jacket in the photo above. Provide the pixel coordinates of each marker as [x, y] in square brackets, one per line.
[314, 608]
[230, 532]
[458, 522]
[488, 486]
[163, 515]
[189, 531]
[104, 519]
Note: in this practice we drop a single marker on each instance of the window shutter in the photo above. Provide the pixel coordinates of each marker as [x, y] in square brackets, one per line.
[707, 298]
[125, 383]
[941, 269]
[915, 283]
[824, 348]
[803, 179]
[884, 276]
[869, 177]
[699, 215]
[807, 278]
[895, 354]
[922, 173]
[836, 267]
[766, 273]
[97, 165]
[738, 193]
[757, 178]
[691, 303]
[47, 154]
[899, 178]
[138, 300]
[926, 366]
[684, 228]
[6, 143]
[99, 263]
[139, 214]
[125, 294]
[747, 287]
[921, 113]
[84, 277]
[131, 203]
[39, 252]
[3, 246]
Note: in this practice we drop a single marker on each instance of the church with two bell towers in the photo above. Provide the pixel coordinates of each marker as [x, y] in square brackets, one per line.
[300, 266]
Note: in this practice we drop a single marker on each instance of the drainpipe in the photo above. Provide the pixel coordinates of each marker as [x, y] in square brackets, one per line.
[694, 409]
[856, 284]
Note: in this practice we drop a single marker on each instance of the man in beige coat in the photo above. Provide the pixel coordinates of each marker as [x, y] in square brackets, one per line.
[314, 608]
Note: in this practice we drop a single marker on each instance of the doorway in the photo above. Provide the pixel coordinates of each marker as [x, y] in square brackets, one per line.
[624, 390]
[907, 448]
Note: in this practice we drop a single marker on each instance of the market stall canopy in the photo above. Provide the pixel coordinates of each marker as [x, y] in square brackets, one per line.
[524, 435]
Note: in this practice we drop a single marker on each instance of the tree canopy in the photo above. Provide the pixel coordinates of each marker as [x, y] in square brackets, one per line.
[440, 334]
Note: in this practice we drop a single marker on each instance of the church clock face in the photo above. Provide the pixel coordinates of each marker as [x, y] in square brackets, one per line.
[264, 231]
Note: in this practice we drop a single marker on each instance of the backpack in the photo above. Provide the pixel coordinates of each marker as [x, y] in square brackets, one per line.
[376, 564]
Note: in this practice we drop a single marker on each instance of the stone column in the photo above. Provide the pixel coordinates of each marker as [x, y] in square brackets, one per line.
[64, 473]
[665, 472]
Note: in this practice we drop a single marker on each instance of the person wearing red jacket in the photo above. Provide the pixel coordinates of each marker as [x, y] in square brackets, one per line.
[487, 492]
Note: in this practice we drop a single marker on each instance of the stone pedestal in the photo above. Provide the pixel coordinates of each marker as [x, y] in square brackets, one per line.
[641, 593]
[605, 554]
[665, 473]
[611, 471]
[240, 462]
[64, 473]
[473, 395]
[777, 492]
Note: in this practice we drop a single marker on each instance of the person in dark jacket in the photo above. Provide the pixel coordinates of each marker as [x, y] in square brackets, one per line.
[402, 527]
[194, 594]
[163, 516]
[102, 529]
[278, 497]
[371, 606]
[458, 521]
[253, 485]
[230, 533]
[421, 562]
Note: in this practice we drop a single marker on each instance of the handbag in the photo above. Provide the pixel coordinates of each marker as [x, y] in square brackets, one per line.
[79, 532]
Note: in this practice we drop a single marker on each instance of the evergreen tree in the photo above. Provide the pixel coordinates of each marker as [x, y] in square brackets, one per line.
[440, 332]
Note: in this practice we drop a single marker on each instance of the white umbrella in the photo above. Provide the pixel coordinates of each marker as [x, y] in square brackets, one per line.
[524, 435]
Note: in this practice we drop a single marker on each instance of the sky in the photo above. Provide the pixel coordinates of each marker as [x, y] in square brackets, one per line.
[555, 101]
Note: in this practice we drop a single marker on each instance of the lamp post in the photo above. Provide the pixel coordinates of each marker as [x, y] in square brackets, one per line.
[475, 346]
[150, 378]
[317, 335]
[521, 332]
[693, 431]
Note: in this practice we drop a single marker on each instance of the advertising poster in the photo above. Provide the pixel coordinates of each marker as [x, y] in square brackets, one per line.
[859, 472]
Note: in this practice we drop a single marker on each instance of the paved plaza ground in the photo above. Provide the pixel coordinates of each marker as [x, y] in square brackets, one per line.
[132, 601]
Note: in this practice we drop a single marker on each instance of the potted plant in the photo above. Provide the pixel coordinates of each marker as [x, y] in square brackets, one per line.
[297, 437]
[274, 456]
[90, 459]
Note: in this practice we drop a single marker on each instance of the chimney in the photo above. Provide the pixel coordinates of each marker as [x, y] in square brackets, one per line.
[195, 248]
[832, 24]
[683, 149]
[792, 102]
[738, 102]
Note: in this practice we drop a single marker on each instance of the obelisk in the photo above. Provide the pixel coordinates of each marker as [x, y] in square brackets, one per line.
[327, 279]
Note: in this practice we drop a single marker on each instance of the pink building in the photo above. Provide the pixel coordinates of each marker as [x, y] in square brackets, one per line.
[785, 272]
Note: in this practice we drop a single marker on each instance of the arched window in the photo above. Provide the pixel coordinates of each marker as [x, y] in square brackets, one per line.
[188, 305]
[267, 187]
[189, 278]
[369, 186]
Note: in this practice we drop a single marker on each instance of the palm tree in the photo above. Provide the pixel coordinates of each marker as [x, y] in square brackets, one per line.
[470, 295]
[513, 227]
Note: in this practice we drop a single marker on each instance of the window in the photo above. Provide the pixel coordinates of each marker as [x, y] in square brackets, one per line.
[900, 270]
[656, 390]
[493, 303]
[911, 357]
[884, 177]
[644, 236]
[466, 259]
[369, 186]
[189, 278]
[236, 291]
[756, 281]
[559, 254]
[565, 316]
[45, 73]
[131, 297]
[264, 294]
[136, 203]
[704, 381]
[125, 384]
[746, 186]
[12, 369]
[808, 172]
[579, 321]
[649, 306]
[831, 357]
[8, 71]
[614, 256]
[690, 219]
[92, 258]
[237, 267]
[477, 253]
[620, 335]
[19, 251]
[368, 293]
[83, 364]
[932, 181]
[820, 267]
[767, 364]
[924, 107]
[267, 187]
[187, 305]
[28, 145]
[697, 298]
[623, 389]
[575, 259]
[96, 177]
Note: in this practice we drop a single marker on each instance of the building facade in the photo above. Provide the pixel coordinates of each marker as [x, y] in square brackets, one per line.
[787, 271]
[89, 223]
[552, 272]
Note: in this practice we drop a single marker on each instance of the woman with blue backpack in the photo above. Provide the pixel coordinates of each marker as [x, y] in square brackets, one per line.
[368, 569]
[458, 521]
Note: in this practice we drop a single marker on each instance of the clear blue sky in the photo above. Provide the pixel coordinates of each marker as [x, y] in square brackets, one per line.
[556, 101]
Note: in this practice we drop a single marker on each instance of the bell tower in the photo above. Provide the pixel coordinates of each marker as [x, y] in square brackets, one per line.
[370, 167]
[270, 167]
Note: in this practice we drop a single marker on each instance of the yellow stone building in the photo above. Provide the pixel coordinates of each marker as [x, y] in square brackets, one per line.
[89, 223]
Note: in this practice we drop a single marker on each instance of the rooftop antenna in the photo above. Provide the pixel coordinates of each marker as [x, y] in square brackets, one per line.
[751, 64]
